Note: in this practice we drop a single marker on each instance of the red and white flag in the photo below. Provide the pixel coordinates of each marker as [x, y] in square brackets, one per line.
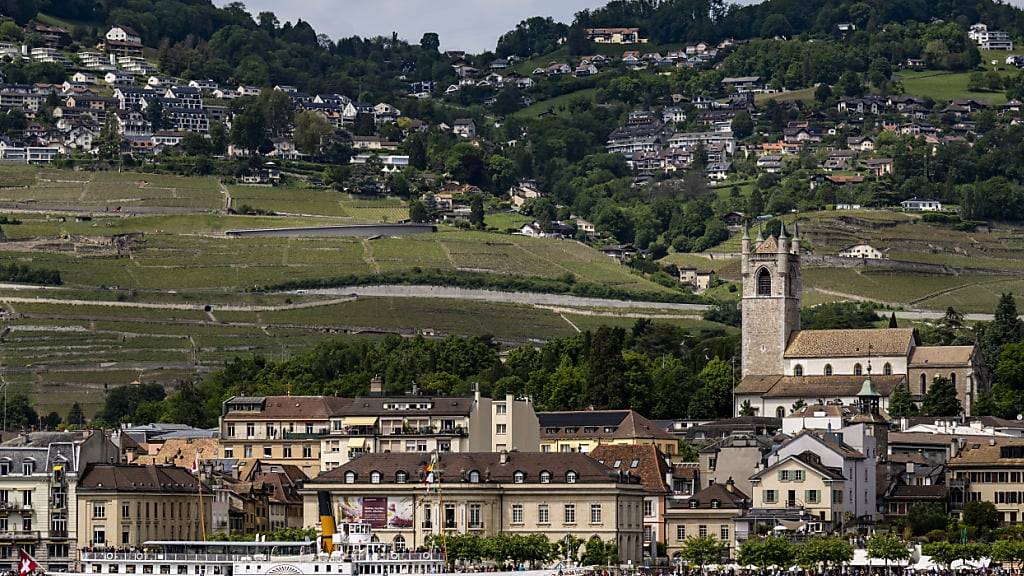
[26, 563]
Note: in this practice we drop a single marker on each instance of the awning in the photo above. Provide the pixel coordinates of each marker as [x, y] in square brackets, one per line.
[360, 421]
[356, 442]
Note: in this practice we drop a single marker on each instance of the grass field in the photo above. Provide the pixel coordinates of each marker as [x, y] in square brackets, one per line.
[940, 85]
[559, 105]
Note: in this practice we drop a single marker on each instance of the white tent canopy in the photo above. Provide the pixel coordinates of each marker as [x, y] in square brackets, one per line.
[860, 558]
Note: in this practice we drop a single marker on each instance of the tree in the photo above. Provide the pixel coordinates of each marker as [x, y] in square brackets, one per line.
[941, 399]
[702, 550]
[742, 125]
[155, 114]
[312, 130]
[714, 399]
[981, 515]
[51, 421]
[900, 403]
[110, 139]
[218, 138]
[418, 211]
[887, 546]
[599, 553]
[822, 93]
[826, 551]
[76, 417]
[277, 110]
[927, 517]
[476, 211]
[892, 321]
[766, 552]
[248, 130]
[1004, 329]
[850, 84]
[20, 413]
[430, 42]
[1011, 551]
[941, 552]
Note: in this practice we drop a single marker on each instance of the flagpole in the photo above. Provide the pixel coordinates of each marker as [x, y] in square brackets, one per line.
[199, 484]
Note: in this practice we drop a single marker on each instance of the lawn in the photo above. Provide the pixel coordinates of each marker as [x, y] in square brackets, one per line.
[803, 95]
[559, 105]
[940, 85]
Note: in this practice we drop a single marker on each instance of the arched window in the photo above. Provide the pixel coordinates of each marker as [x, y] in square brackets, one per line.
[375, 477]
[401, 477]
[764, 282]
[570, 477]
[828, 369]
[399, 543]
[780, 412]
[798, 370]
[857, 369]
[350, 477]
[924, 384]
[887, 369]
[474, 476]
[545, 477]
[519, 477]
[952, 378]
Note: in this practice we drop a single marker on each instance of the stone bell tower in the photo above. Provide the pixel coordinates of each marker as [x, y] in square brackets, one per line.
[771, 300]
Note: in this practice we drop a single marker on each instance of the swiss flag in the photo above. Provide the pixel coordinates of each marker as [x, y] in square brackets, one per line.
[26, 564]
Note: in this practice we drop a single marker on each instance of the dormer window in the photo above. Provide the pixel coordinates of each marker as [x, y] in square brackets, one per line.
[28, 468]
[474, 477]
[545, 477]
[401, 477]
[570, 477]
[694, 503]
[716, 504]
[519, 477]
[375, 477]
[350, 477]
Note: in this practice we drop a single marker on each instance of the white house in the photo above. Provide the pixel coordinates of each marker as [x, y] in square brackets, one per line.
[920, 205]
[464, 127]
[123, 34]
[865, 251]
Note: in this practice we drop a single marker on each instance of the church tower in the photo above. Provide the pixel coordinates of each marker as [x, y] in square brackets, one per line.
[771, 300]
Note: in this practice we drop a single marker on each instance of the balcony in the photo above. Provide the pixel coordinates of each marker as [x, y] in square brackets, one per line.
[58, 534]
[19, 536]
[475, 526]
[304, 435]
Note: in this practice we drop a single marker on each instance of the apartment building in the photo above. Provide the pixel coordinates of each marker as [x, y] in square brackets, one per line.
[124, 505]
[989, 470]
[584, 430]
[484, 493]
[654, 470]
[712, 511]
[278, 429]
[39, 477]
[416, 423]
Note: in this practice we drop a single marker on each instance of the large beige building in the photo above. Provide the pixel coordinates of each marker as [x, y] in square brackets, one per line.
[989, 470]
[39, 478]
[123, 505]
[783, 364]
[484, 493]
[654, 470]
[319, 433]
[712, 511]
[583, 430]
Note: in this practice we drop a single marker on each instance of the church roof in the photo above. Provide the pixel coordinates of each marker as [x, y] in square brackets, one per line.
[924, 356]
[850, 343]
[769, 246]
[824, 387]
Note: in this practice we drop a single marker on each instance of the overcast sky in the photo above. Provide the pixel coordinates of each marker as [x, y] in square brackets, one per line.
[471, 25]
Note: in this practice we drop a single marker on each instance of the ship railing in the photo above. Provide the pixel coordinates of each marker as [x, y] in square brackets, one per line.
[165, 557]
[403, 556]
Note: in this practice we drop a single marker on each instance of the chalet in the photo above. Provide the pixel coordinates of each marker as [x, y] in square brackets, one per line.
[523, 192]
[52, 36]
[880, 166]
[630, 58]
[860, 143]
[203, 85]
[123, 34]
[718, 171]
[118, 79]
[585, 70]
[673, 114]
[464, 128]
[244, 90]
[619, 252]
[585, 226]
[770, 164]
[862, 251]
[558, 69]
[84, 78]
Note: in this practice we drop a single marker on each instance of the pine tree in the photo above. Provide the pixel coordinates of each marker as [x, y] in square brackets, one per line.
[892, 321]
[941, 399]
[900, 403]
[1004, 329]
[76, 417]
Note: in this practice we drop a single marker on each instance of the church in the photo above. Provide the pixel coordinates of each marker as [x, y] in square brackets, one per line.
[783, 364]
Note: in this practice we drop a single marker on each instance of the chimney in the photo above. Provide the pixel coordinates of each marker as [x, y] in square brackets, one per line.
[730, 486]
[376, 386]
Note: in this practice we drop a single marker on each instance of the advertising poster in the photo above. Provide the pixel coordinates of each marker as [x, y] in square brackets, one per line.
[400, 512]
[375, 512]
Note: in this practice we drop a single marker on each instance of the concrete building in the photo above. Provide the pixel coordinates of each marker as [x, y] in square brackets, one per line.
[989, 470]
[484, 493]
[712, 511]
[40, 474]
[735, 457]
[864, 251]
[123, 505]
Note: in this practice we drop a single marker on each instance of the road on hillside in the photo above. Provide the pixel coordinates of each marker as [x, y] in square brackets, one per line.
[526, 298]
[929, 315]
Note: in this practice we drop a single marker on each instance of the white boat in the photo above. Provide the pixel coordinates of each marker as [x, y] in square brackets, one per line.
[354, 553]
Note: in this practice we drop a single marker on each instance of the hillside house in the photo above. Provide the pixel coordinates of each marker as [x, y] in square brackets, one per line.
[862, 251]
[523, 192]
[464, 128]
[615, 35]
[921, 205]
[699, 280]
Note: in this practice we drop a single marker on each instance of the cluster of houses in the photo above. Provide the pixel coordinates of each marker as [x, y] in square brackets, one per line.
[117, 81]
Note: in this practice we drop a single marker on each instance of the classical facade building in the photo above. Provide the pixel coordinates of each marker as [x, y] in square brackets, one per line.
[40, 474]
[583, 430]
[989, 470]
[783, 365]
[712, 511]
[484, 493]
[319, 433]
[655, 472]
[124, 505]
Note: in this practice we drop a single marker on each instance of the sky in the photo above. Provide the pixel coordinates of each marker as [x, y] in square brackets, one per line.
[471, 25]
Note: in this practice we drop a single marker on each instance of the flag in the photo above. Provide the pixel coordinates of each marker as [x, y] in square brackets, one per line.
[26, 564]
[195, 465]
